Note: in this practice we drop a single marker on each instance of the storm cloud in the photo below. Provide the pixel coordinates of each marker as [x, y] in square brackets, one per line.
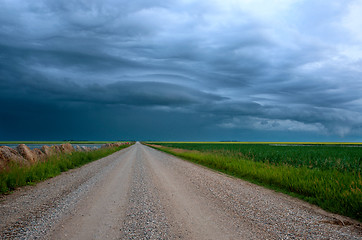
[181, 70]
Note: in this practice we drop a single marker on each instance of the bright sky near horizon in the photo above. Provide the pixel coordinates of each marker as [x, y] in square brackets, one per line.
[248, 70]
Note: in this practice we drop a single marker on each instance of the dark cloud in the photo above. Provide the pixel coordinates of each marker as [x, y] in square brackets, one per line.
[222, 70]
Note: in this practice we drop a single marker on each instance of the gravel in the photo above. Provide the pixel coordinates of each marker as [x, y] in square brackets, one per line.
[145, 216]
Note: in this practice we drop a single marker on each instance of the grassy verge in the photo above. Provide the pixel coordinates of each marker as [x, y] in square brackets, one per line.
[333, 190]
[17, 176]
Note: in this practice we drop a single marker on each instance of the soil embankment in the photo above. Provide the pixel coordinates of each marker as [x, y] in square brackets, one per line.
[24, 156]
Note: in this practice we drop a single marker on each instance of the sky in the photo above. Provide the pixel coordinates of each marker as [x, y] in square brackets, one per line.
[181, 70]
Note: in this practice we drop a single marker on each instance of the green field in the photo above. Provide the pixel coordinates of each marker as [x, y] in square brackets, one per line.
[279, 143]
[17, 176]
[328, 175]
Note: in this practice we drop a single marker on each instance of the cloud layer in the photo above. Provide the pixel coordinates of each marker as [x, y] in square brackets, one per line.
[221, 69]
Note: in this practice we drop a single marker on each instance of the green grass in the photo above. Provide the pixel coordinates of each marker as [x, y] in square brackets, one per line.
[328, 176]
[17, 176]
[344, 159]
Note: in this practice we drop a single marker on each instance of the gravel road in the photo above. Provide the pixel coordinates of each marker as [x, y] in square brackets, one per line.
[141, 193]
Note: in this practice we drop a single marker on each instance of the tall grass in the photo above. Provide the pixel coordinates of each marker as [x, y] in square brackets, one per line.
[323, 157]
[335, 186]
[17, 176]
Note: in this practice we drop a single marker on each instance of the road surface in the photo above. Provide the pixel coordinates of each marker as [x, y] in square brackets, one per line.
[141, 193]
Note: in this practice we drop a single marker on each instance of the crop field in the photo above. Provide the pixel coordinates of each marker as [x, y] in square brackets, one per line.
[328, 175]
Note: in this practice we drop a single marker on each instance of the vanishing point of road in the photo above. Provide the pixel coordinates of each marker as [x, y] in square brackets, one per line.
[142, 193]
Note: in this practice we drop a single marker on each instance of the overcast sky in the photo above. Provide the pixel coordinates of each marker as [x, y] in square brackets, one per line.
[248, 70]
